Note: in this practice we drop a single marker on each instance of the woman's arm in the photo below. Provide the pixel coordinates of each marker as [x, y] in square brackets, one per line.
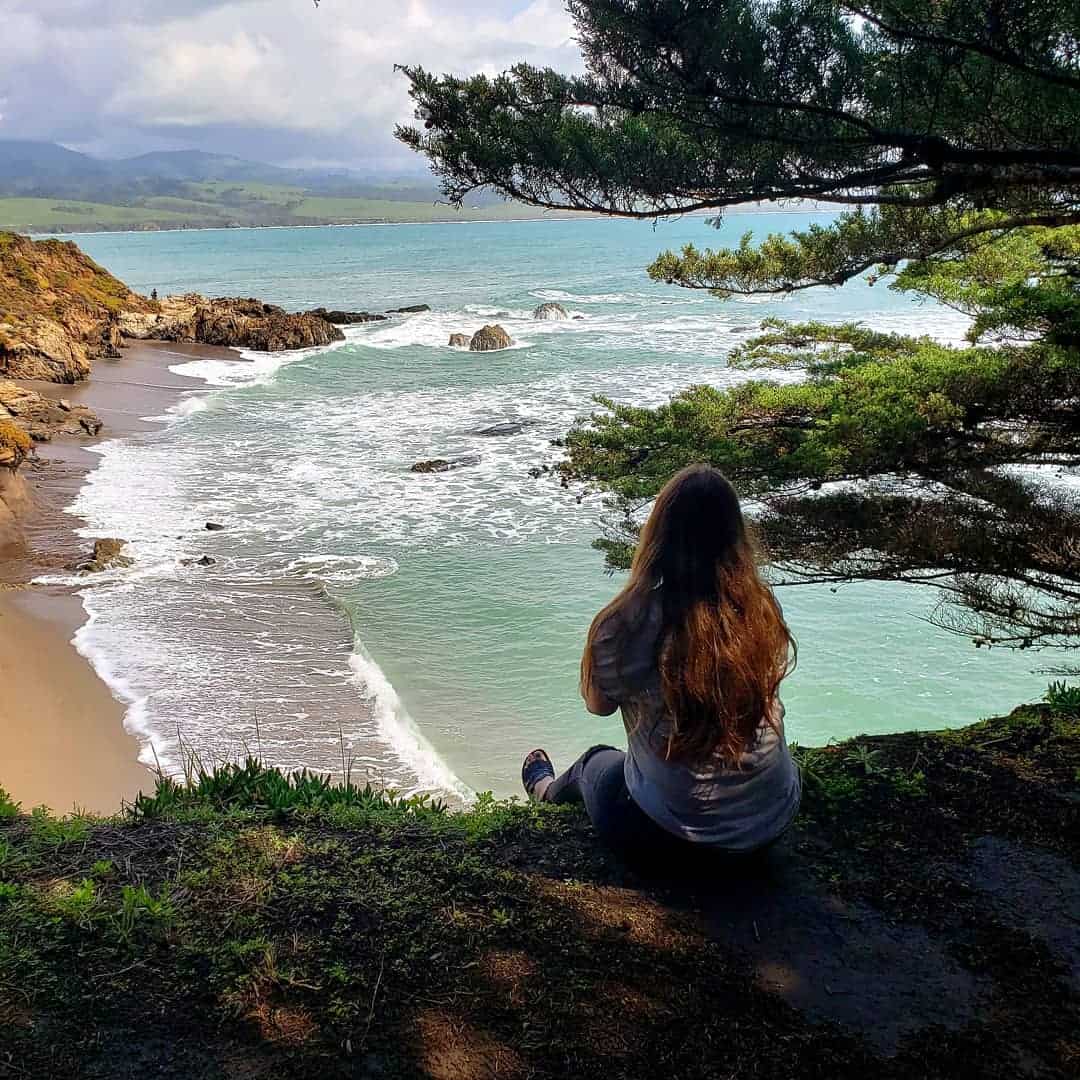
[599, 671]
[596, 702]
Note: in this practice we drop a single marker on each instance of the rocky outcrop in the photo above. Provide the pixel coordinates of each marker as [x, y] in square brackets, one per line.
[490, 339]
[108, 555]
[15, 445]
[460, 341]
[41, 417]
[416, 309]
[439, 465]
[346, 318]
[243, 323]
[249, 324]
[171, 319]
[551, 313]
[59, 310]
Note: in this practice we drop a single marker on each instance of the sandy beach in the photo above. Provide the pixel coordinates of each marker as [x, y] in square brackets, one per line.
[62, 736]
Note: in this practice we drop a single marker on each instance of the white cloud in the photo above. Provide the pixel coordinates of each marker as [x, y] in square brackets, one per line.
[301, 78]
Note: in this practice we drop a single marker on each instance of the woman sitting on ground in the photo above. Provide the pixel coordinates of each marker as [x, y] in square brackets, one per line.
[693, 651]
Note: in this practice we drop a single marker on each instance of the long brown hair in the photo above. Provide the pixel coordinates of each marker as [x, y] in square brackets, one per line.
[723, 647]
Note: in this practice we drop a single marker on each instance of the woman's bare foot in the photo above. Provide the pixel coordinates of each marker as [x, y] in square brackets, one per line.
[537, 773]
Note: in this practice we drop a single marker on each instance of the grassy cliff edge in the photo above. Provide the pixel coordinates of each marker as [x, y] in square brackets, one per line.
[919, 921]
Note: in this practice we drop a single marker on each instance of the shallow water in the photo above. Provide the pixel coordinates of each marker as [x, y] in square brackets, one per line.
[433, 624]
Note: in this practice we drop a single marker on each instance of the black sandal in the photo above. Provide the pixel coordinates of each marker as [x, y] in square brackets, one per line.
[536, 767]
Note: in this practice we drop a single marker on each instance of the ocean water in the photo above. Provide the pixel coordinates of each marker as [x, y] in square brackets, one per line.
[425, 631]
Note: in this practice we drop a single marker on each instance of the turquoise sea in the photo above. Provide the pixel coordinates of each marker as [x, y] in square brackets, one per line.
[433, 624]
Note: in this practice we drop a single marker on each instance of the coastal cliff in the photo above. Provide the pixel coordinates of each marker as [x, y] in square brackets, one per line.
[60, 311]
[14, 501]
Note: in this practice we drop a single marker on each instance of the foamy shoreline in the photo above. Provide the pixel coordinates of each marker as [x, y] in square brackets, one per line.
[156, 384]
[65, 738]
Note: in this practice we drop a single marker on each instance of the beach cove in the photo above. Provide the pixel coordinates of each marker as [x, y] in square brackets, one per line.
[435, 621]
[424, 628]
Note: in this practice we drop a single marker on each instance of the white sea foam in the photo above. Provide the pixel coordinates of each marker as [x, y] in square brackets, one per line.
[400, 731]
[190, 405]
[136, 723]
[342, 569]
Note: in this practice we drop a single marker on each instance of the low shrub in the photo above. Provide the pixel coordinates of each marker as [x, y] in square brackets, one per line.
[12, 437]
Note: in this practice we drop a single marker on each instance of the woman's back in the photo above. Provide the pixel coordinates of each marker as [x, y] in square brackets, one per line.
[734, 805]
[693, 650]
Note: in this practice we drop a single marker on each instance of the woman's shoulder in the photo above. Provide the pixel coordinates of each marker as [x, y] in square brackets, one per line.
[634, 617]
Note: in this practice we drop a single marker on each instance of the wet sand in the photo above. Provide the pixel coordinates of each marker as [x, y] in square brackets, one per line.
[62, 736]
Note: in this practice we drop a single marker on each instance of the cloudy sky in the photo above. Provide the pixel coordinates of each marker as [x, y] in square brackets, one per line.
[272, 80]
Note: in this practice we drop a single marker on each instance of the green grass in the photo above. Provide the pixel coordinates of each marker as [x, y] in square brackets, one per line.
[213, 190]
[261, 924]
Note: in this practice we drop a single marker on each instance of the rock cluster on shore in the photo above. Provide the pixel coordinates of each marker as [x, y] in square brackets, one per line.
[108, 554]
[40, 417]
[59, 311]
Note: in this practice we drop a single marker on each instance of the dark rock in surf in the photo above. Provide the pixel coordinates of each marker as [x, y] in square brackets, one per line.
[213, 526]
[416, 309]
[206, 560]
[551, 313]
[507, 427]
[460, 341]
[490, 339]
[346, 318]
[441, 465]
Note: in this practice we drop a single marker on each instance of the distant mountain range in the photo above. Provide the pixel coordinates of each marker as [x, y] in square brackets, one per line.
[47, 188]
[48, 170]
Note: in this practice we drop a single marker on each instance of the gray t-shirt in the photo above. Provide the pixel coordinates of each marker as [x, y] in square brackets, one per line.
[736, 807]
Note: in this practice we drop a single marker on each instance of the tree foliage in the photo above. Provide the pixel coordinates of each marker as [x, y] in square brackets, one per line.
[695, 104]
[953, 127]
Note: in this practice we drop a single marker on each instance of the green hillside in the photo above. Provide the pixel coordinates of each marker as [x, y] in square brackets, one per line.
[60, 215]
[257, 925]
[220, 203]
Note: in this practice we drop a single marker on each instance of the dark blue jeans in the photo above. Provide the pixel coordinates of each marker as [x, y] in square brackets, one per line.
[597, 779]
